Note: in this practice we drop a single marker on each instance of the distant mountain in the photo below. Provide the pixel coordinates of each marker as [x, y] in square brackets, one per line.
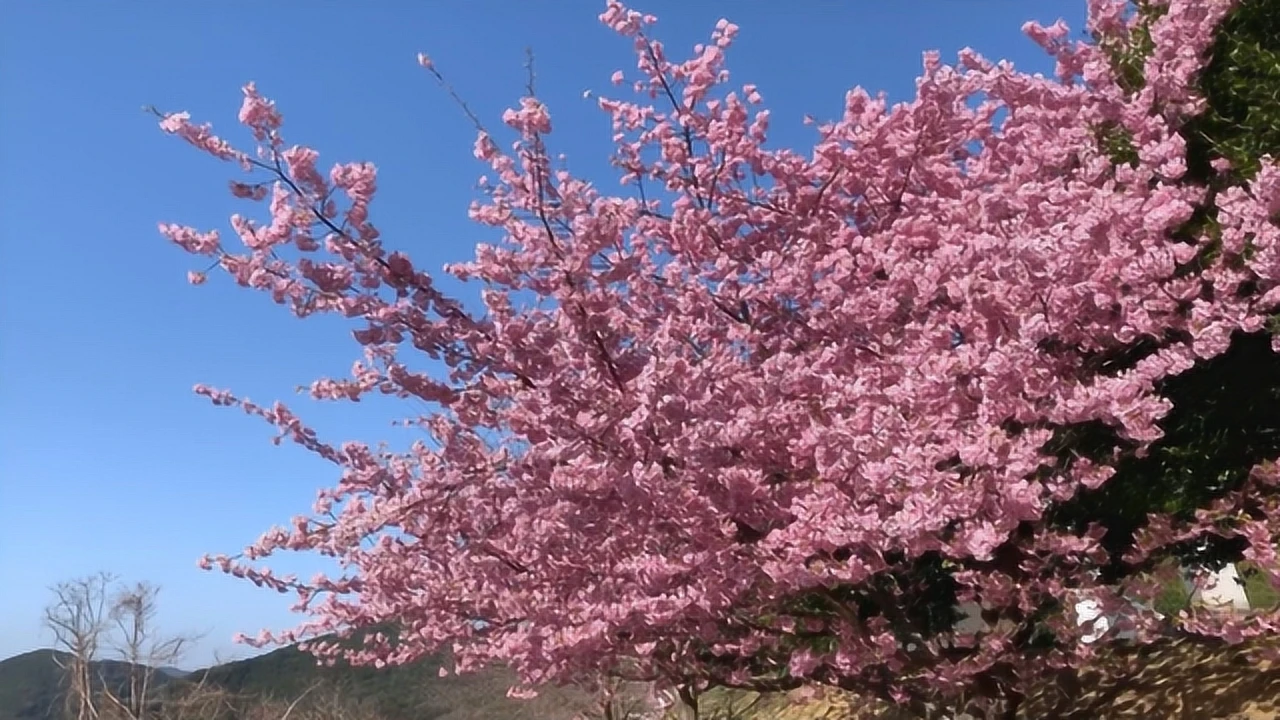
[31, 687]
[410, 692]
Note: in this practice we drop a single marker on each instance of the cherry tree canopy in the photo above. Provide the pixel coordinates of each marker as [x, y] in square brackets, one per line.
[770, 414]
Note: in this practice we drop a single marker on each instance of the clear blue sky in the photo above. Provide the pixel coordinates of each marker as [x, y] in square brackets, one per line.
[107, 460]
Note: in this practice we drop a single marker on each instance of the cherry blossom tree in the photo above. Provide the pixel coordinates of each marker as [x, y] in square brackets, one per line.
[763, 417]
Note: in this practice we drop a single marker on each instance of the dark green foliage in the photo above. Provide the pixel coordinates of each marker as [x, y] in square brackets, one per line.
[1242, 86]
[1226, 415]
[1116, 142]
[1127, 57]
[1225, 420]
[1175, 594]
[1257, 587]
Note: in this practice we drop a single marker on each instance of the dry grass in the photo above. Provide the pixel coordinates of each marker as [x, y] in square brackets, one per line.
[1169, 681]
[1176, 680]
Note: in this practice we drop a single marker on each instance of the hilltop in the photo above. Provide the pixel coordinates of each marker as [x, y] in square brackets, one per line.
[31, 687]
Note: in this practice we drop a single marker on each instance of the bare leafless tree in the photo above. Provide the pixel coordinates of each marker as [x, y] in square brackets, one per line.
[95, 619]
[78, 617]
[137, 642]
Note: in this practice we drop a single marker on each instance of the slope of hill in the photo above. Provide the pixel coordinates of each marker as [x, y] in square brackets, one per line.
[31, 687]
[31, 684]
[411, 692]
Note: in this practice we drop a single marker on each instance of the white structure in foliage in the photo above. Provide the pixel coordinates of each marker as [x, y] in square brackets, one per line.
[1225, 590]
[1089, 613]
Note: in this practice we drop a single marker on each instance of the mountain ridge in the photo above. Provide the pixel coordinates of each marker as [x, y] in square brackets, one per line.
[31, 683]
[31, 687]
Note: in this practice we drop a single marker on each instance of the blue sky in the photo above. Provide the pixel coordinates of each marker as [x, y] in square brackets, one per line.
[107, 460]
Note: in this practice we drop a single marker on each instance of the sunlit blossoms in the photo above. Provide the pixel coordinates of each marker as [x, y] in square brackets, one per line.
[770, 403]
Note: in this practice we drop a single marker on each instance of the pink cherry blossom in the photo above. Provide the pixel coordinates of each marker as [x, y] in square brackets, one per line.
[765, 389]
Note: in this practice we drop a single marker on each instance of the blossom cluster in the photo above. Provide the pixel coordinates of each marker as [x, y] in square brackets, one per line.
[759, 388]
